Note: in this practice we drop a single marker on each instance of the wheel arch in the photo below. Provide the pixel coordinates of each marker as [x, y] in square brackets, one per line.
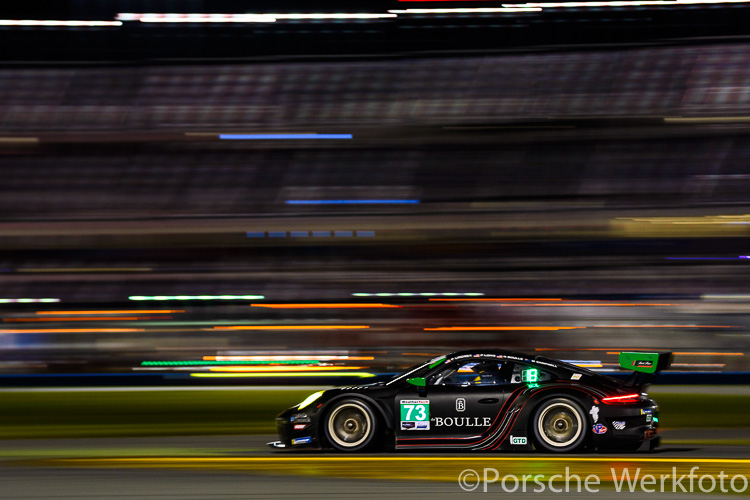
[376, 406]
[527, 406]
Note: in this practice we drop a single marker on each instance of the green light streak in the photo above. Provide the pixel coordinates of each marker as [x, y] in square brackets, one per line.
[194, 297]
[217, 363]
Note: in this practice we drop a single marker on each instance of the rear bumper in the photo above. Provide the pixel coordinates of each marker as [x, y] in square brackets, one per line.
[627, 425]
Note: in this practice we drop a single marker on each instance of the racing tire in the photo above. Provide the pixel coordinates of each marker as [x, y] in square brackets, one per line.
[351, 425]
[560, 426]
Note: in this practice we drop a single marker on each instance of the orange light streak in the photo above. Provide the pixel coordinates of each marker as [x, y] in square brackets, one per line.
[491, 328]
[326, 306]
[293, 327]
[140, 311]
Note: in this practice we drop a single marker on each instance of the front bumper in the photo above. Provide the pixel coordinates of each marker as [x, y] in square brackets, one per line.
[296, 429]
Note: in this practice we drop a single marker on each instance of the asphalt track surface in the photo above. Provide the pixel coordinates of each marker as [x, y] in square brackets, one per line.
[243, 467]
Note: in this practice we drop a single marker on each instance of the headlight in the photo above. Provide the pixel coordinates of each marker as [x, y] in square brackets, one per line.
[309, 399]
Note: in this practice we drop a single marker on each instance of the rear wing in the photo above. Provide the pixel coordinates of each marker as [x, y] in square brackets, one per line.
[645, 366]
[645, 362]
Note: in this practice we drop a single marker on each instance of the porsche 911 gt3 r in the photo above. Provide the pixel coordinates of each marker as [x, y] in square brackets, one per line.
[486, 399]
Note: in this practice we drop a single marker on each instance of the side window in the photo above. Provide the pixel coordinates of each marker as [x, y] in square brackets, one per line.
[525, 374]
[470, 373]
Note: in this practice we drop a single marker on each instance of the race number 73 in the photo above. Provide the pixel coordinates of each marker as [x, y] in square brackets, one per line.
[411, 412]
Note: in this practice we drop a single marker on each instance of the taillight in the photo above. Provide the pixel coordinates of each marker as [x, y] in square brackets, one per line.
[628, 398]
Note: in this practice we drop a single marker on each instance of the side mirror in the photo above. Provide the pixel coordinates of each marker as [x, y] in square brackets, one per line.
[419, 381]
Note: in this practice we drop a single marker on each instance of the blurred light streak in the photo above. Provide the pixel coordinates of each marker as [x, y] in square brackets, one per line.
[263, 137]
[491, 300]
[699, 365]
[108, 318]
[662, 326]
[84, 270]
[195, 297]
[584, 304]
[195, 18]
[352, 202]
[725, 297]
[293, 327]
[707, 353]
[18, 140]
[707, 119]
[461, 10]
[306, 234]
[491, 328]
[135, 311]
[706, 219]
[620, 3]
[235, 362]
[49, 22]
[325, 306]
[26, 301]
[266, 369]
[243, 18]
[705, 258]
[284, 374]
[77, 330]
[284, 358]
[410, 294]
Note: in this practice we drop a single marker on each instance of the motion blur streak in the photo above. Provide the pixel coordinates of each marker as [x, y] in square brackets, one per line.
[489, 300]
[283, 374]
[293, 327]
[287, 358]
[109, 318]
[489, 328]
[92, 313]
[267, 369]
[56, 23]
[586, 304]
[662, 326]
[326, 306]
[76, 330]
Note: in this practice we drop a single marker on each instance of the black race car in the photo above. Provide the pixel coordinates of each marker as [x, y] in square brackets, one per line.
[484, 400]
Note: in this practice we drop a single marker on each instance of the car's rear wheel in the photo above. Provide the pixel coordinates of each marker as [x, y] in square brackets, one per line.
[559, 426]
[351, 425]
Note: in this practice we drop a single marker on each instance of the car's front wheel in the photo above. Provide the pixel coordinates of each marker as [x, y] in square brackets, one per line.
[559, 426]
[351, 425]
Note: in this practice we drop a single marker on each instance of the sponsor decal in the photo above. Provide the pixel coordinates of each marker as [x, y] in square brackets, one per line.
[576, 376]
[518, 440]
[299, 427]
[647, 411]
[594, 411]
[302, 440]
[600, 429]
[300, 417]
[618, 425]
[462, 421]
[646, 363]
[413, 412]
[460, 404]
